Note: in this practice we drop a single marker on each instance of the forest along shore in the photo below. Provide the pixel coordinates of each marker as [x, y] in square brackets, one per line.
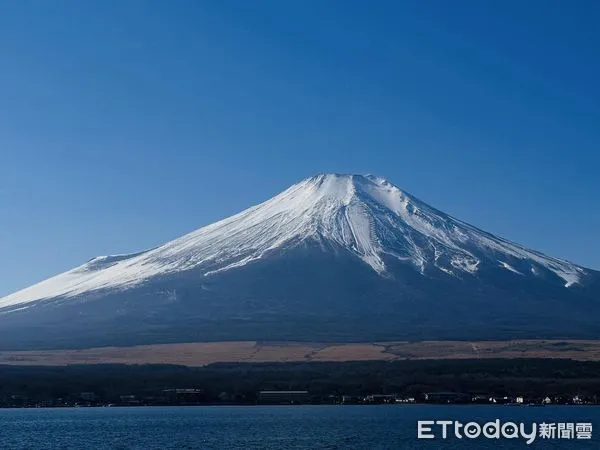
[482, 381]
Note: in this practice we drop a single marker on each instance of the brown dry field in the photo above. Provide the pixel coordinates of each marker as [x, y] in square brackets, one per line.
[203, 353]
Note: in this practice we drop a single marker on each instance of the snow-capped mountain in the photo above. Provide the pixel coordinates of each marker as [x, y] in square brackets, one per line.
[331, 247]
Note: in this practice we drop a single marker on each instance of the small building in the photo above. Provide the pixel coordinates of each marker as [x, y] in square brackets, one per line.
[225, 397]
[87, 396]
[380, 398]
[482, 399]
[405, 400]
[129, 399]
[283, 397]
[183, 396]
[447, 397]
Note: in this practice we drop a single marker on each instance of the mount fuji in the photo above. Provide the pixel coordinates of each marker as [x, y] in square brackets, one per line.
[332, 258]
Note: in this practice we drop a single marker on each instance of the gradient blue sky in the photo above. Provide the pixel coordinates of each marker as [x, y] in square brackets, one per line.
[124, 124]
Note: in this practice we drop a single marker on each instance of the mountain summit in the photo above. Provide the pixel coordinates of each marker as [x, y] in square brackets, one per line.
[333, 257]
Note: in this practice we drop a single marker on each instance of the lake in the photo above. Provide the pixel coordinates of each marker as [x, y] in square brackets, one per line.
[276, 427]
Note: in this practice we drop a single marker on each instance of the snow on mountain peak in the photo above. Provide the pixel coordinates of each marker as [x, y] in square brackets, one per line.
[364, 214]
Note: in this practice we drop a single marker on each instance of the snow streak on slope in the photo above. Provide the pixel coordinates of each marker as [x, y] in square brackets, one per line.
[366, 215]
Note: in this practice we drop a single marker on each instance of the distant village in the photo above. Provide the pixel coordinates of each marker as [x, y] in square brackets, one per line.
[197, 397]
[518, 382]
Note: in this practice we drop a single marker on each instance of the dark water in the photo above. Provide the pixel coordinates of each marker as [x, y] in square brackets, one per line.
[274, 427]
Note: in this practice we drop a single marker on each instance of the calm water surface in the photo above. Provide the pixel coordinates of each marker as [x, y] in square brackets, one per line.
[272, 427]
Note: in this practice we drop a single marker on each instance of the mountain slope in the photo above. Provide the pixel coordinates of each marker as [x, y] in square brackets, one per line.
[345, 257]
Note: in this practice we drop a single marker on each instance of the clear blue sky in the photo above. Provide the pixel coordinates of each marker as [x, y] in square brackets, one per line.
[124, 124]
